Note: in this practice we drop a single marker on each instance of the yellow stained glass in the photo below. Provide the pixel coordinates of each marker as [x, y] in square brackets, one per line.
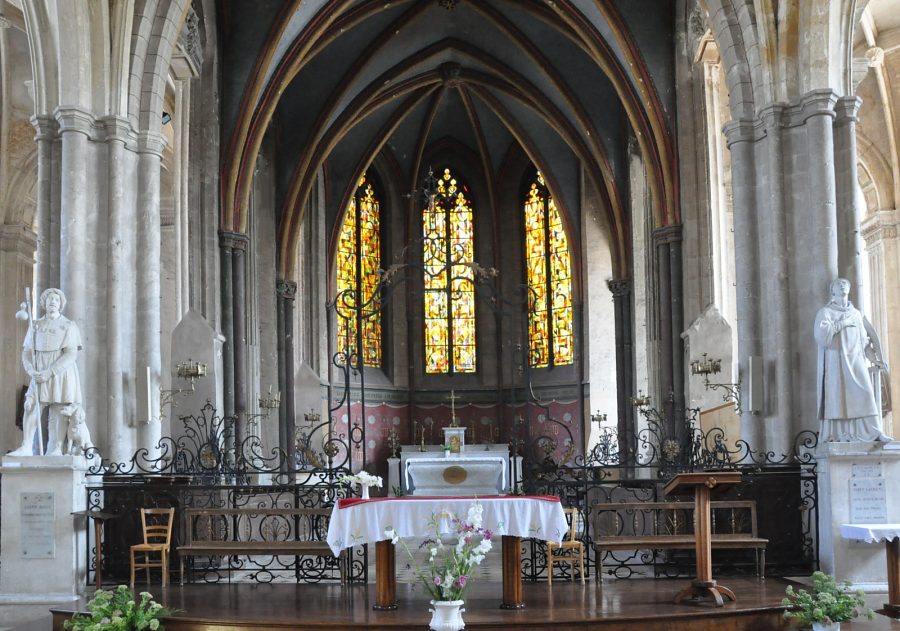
[363, 211]
[548, 268]
[449, 301]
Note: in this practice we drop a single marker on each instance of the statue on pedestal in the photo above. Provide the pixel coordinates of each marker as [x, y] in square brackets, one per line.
[49, 352]
[846, 385]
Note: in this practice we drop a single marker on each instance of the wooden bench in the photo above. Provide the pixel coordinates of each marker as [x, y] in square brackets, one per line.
[670, 526]
[256, 532]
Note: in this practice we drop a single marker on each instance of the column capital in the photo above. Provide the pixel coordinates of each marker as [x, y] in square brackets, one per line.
[620, 287]
[72, 118]
[772, 115]
[118, 128]
[151, 142]
[286, 289]
[45, 127]
[233, 240]
[847, 110]
[743, 130]
[813, 103]
[880, 226]
[667, 234]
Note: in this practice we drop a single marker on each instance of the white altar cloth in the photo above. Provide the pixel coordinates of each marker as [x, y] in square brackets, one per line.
[355, 521]
[870, 533]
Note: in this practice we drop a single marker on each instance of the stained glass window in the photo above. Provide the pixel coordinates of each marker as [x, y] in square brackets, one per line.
[549, 272]
[358, 261]
[449, 300]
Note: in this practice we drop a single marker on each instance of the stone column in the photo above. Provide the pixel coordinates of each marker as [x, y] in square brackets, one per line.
[78, 263]
[17, 245]
[665, 384]
[119, 293]
[239, 322]
[150, 147]
[287, 293]
[773, 279]
[82, 264]
[46, 134]
[741, 136]
[181, 185]
[883, 248]
[849, 211]
[621, 291]
[814, 260]
[671, 316]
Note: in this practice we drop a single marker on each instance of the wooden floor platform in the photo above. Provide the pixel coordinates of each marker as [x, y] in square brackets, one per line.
[644, 605]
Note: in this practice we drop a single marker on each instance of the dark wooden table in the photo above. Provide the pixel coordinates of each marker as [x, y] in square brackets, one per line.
[701, 485]
[99, 517]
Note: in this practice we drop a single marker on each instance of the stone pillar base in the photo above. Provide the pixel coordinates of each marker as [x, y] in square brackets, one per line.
[43, 548]
[863, 564]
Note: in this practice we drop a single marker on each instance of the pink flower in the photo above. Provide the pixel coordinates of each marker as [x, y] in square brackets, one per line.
[462, 580]
[437, 581]
[487, 535]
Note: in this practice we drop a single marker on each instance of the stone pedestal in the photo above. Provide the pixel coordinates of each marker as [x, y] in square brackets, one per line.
[43, 548]
[840, 465]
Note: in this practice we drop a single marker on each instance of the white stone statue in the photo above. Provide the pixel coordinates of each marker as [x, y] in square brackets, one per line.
[847, 404]
[49, 352]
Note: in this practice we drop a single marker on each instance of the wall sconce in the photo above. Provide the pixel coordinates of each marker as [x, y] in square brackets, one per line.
[270, 402]
[641, 400]
[190, 370]
[267, 403]
[706, 367]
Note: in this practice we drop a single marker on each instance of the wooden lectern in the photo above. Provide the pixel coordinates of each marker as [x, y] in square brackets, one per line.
[701, 485]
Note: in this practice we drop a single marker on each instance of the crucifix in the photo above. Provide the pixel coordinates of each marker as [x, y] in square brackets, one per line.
[453, 398]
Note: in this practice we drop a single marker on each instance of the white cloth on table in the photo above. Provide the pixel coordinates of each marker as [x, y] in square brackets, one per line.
[870, 533]
[359, 522]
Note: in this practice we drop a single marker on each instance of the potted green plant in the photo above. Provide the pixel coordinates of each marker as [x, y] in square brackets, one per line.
[446, 449]
[826, 606]
[118, 611]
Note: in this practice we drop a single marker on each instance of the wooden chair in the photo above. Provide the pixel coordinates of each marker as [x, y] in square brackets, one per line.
[157, 540]
[570, 550]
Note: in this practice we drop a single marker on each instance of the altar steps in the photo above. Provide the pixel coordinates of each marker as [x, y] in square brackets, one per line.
[634, 605]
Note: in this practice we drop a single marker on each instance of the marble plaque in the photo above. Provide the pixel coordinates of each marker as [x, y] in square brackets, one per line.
[868, 501]
[37, 516]
[867, 470]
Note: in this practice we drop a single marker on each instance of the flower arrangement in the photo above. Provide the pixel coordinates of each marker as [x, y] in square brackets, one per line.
[826, 604]
[449, 569]
[446, 447]
[363, 479]
[118, 610]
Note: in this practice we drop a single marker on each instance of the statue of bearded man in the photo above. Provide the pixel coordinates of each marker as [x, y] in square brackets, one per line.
[847, 405]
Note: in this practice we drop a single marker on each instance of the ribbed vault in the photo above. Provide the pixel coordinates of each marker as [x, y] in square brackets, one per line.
[345, 83]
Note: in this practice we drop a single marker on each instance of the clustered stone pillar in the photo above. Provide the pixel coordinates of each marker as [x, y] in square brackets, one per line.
[741, 136]
[234, 326]
[771, 230]
[287, 293]
[793, 175]
[621, 291]
[120, 292]
[670, 304]
[148, 246]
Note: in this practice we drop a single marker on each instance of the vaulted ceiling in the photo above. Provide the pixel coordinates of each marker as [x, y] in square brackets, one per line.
[338, 84]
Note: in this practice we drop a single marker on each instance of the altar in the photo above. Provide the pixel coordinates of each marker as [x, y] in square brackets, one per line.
[481, 470]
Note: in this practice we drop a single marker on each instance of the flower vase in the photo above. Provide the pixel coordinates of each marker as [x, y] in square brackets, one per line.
[447, 615]
[820, 626]
[364, 491]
